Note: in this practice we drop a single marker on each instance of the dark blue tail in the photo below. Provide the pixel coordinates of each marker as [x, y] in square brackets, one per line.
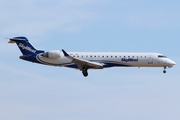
[24, 45]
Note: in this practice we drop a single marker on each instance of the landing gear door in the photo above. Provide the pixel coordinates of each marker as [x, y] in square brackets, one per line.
[150, 59]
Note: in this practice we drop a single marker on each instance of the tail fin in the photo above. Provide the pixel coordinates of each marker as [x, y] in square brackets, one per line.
[24, 45]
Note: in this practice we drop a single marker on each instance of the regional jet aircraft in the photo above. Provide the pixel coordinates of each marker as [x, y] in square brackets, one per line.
[90, 60]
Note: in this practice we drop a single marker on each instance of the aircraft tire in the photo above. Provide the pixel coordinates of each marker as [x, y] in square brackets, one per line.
[85, 73]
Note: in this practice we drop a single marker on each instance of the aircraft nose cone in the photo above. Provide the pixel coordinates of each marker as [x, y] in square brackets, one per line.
[171, 62]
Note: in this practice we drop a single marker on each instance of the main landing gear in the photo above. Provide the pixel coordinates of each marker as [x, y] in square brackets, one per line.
[84, 72]
[164, 70]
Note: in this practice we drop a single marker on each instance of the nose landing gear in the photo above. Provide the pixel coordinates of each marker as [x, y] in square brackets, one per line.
[164, 70]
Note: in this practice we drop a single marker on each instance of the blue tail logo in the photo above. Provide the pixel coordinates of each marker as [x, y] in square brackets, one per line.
[24, 45]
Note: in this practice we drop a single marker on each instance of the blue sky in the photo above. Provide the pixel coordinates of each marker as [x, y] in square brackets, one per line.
[33, 92]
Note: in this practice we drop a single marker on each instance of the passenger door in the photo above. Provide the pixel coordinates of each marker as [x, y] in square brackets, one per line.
[150, 59]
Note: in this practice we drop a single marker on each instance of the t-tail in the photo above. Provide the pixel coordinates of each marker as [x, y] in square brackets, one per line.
[25, 47]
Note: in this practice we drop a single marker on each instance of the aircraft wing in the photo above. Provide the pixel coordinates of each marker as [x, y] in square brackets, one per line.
[81, 62]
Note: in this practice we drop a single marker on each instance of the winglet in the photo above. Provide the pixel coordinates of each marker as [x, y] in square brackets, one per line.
[65, 54]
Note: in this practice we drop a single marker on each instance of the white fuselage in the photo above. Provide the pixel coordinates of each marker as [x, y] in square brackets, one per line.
[111, 59]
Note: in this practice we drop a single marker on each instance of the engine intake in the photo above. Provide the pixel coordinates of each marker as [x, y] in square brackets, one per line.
[53, 54]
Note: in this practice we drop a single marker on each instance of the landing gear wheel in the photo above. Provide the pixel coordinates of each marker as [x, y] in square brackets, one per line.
[164, 70]
[85, 73]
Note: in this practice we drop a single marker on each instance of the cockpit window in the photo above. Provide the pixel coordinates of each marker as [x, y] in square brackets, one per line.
[161, 56]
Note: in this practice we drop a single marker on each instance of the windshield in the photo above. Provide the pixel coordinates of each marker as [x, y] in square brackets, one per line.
[161, 56]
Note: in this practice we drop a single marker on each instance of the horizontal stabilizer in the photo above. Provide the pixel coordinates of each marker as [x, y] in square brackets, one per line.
[12, 40]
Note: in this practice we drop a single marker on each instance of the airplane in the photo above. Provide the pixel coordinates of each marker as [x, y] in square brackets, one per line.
[90, 60]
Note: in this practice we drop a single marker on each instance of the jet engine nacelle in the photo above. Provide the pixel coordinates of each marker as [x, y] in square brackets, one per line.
[53, 54]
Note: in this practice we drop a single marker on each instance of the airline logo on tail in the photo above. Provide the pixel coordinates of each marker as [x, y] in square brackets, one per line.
[26, 48]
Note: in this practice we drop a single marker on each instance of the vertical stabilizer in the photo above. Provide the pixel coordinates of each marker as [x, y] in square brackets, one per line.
[24, 45]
